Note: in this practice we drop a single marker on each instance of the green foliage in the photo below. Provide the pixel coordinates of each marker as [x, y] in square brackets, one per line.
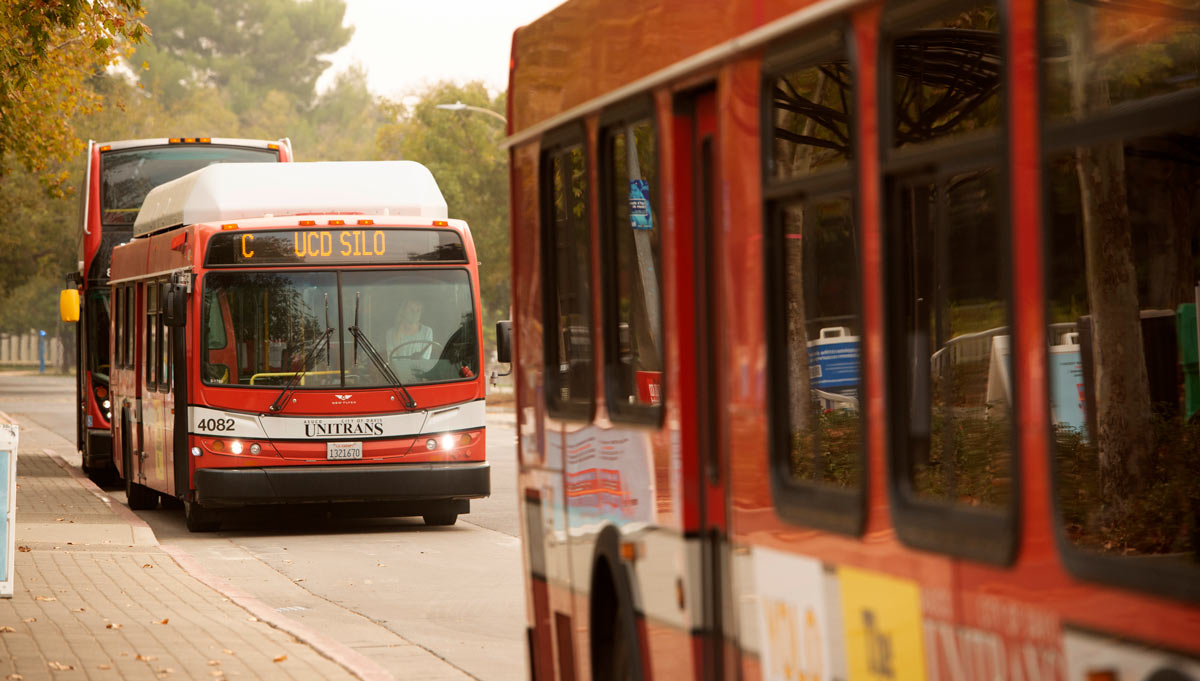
[461, 149]
[243, 49]
[48, 51]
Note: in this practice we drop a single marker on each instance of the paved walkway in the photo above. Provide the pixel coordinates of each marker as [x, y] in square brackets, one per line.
[96, 597]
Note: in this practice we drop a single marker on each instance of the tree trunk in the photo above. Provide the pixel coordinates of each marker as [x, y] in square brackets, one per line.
[1123, 414]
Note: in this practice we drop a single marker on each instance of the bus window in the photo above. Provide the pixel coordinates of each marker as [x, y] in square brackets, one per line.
[566, 303]
[277, 317]
[634, 272]
[164, 347]
[949, 282]
[813, 266]
[151, 349]
[422, 322]
[1123, 236]
[128, 175]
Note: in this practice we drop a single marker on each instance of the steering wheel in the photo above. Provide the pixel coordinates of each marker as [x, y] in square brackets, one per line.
[416, 353]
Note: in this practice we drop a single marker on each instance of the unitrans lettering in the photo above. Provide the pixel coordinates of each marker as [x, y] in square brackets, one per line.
[339, 428]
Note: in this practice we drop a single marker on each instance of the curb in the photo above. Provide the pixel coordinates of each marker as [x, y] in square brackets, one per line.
[141, 531]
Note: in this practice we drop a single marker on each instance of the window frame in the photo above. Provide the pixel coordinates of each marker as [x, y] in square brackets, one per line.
[946, 527]
[1124, 121]
[804, 502]
[554, 144]
[631, 111]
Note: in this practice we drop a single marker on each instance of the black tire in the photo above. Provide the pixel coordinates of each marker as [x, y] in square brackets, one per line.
[103, 476]
[440, 519]
[200, 519]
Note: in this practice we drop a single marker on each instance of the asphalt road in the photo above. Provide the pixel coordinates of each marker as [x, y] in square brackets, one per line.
[435, 603]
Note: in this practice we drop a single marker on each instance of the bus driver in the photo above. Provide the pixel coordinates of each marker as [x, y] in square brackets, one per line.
[409, 338]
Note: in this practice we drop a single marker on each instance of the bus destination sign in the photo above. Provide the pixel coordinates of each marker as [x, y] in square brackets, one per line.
[339, 246]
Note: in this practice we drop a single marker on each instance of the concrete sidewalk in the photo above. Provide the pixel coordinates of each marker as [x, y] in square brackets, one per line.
[96, 597]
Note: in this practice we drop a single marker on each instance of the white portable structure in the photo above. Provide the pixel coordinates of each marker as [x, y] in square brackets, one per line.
[235, 191]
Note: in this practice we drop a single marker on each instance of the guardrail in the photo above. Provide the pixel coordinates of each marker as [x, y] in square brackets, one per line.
[30, 349]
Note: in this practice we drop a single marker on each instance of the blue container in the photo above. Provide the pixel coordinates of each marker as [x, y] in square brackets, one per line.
[833, 362]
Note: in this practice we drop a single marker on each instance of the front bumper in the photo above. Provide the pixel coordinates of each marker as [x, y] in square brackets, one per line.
[417, 482]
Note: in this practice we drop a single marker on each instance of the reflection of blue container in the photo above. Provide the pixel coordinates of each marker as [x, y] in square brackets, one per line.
[833, 362]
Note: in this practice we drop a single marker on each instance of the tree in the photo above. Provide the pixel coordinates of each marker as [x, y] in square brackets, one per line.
[48, 51]
[243, 49]
[461, 149]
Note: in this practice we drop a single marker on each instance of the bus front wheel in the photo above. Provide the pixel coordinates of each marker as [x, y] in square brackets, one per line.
[200, 519]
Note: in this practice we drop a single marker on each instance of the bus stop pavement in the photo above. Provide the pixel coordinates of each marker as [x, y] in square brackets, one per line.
[95, 596]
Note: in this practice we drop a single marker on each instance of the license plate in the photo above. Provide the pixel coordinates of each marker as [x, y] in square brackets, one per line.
[343, 450]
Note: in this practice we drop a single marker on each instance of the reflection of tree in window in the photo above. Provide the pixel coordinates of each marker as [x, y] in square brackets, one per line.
[1123, 229]
[569, 312]
[811, 112]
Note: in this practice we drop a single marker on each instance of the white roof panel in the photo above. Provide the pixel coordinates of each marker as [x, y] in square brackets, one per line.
[232, 191]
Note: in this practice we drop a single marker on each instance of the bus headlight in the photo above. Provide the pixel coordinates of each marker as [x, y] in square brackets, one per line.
[235, 447]
[447, 441]
[255, 448]
[107, 404]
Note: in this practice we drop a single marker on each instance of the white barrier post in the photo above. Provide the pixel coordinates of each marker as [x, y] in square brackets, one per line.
[8, 505]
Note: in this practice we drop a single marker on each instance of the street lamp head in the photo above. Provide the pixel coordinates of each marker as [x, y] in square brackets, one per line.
[457, 106]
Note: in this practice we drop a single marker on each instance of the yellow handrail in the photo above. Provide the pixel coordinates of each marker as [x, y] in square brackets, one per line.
[291, 373]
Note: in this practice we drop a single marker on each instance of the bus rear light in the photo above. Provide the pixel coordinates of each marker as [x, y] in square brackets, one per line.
[307, 223]
[232, 225]
[366, 222]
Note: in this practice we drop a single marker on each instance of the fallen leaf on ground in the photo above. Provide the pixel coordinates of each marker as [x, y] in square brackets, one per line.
[14, 677]
[59, 666]
[6, 630]
[29, 619]
[24, 549]
[227, 651]
[104, 666]
[280, 658]
[253, 619]
[44, 598]
[165, 620]
[148, 565]
[213, 663]
[113, 625]
[80, 609]
[146, 658]
[217, 672]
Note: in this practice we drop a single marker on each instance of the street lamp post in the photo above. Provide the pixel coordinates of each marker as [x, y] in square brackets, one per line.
[459, 106]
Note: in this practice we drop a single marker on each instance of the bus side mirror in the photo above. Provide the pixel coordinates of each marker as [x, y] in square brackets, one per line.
[174, 305]
[68, 304]
[504, 342]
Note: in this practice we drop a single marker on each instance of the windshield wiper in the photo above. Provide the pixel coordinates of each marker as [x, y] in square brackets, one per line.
[373, 354]
[277, 405]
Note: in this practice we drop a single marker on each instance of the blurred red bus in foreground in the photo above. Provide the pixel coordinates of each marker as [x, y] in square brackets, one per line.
[858, 340]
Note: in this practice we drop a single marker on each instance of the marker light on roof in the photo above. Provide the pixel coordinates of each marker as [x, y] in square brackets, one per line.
[174, 140]
[232, 225]
[440, 223]
[189, 140]
[366, 222]
[273, 146]
[105, 148]
[307, 223]
[205, 140]
[337, 223]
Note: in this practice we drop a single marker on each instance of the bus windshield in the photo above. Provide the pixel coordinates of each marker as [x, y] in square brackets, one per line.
[260, 326]
[127, 176]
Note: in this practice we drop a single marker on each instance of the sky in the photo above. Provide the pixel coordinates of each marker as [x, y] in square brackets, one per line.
[407, 44]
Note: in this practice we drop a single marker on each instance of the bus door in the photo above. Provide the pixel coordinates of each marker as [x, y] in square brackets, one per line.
[706, 515]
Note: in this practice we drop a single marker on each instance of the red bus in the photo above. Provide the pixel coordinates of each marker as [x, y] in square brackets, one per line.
[117, 177]
[857, 340]
[300, 333]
